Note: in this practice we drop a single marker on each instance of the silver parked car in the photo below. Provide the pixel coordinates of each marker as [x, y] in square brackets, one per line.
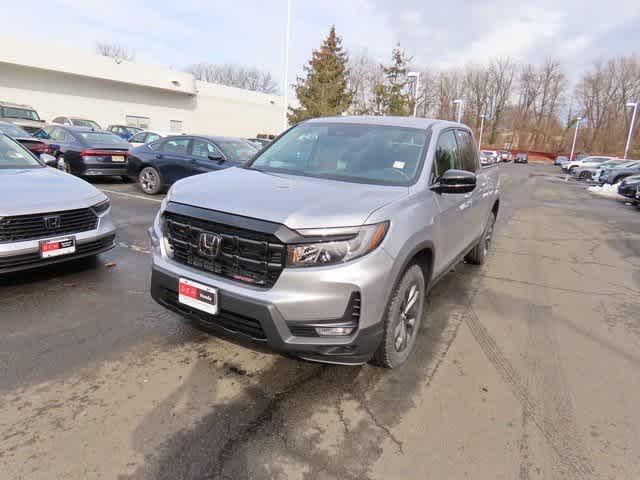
[47, 216]
[324, 244]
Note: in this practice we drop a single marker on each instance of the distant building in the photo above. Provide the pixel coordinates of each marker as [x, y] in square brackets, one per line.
[59, 81]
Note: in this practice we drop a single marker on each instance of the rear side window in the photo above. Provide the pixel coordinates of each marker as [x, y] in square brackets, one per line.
[152, 137]
[138, 138]
[467, 151]
[446, 156]
[178, 146]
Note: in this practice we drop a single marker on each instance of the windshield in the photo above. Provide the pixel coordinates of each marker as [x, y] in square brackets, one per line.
[14, 131]
[24, 113]
[376, 154]
[79, 122]
[102, 138]
[237, 150]
[13, 156]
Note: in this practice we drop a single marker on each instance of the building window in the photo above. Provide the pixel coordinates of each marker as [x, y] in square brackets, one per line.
[175, 126]
[136, 121]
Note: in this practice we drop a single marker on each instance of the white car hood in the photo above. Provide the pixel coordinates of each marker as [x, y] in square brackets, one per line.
[37, 190]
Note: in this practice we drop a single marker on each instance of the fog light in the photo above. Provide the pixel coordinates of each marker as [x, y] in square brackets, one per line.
[333, 331]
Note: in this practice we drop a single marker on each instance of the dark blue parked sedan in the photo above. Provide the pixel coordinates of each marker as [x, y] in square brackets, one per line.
[159, 164]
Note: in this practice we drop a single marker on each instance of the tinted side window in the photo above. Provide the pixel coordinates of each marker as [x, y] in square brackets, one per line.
[446, 154]
[138, 138]
[177, 146]
[203, 149]
[57, 134]
[467, 149]
[152, 137]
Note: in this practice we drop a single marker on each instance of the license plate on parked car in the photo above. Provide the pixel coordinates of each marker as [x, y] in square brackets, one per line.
[57, 247]
[198, 296]
[117, 158]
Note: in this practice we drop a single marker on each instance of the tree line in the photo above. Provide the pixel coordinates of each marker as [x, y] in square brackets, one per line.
[525, 106]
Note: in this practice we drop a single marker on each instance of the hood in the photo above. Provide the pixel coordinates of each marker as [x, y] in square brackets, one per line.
[36, 190]
[295, 201]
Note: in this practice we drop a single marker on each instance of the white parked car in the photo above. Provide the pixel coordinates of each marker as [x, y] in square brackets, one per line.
[594, 161]
[492, 154]
[147, 136]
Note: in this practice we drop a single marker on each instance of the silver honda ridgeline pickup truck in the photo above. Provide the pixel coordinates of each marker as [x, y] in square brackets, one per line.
[324, 244]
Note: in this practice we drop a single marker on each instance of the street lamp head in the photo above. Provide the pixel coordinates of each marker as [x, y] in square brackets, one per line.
[413, 74]
[458, 100]
[632, 104]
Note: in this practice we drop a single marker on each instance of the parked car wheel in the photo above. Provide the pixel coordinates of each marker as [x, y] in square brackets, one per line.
[150, 181]
[402, 321]
[585, 175]
[478, 255]
[571, 169]
[63, 165]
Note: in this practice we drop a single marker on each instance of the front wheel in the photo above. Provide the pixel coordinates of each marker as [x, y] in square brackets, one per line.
[402, 320]
[150, 181]
[478, 255]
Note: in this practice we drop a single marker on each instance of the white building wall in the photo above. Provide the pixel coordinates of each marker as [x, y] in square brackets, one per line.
[95, 87]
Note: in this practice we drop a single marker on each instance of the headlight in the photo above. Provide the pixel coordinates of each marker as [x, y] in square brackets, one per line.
[100, 208]
[336, 245]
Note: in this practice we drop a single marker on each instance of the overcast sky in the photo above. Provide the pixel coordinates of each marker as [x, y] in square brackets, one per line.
[455, 32]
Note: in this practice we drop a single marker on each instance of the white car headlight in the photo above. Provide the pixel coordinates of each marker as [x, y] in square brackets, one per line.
[336, 245]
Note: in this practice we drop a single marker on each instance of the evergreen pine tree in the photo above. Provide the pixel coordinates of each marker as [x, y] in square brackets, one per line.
[324, 91]
[393, 97]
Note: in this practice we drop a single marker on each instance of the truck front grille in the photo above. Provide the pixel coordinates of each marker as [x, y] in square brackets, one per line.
[42, 225]
[246, 256]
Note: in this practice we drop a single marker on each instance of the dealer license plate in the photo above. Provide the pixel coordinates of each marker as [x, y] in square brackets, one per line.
[57, 247]
[198, 296]
[117, 158]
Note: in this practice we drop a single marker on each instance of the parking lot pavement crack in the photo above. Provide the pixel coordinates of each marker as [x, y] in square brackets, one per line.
[260, 421]
[362, 400]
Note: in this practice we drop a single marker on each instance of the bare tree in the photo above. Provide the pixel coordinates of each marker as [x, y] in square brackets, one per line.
[601, 95]
[364, 74]
[115, 50]
[234, 76]
[501, 73]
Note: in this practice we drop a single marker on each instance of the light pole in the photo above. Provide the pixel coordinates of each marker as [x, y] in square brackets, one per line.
[416, 89]
[575, 137]
[285, 85]
[482, 117]
[459, 102]
[633, 121]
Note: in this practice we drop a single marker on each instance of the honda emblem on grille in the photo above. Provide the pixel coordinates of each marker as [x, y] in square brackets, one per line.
[209, 244]
[53, 222]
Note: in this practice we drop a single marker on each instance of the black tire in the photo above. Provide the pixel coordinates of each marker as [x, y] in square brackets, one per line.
[150, 181]
[478, 255]
[402, 319]
[585, 175]
[571, 169]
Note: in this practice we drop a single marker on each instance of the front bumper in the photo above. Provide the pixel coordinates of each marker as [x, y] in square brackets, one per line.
[300, 298]
[25, 255]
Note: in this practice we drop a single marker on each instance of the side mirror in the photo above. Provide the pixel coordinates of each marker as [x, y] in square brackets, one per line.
[455, 181]
[49, 160]
[216, 157]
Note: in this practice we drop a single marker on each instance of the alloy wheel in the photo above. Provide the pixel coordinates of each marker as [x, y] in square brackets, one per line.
[149, 180]
[405, 326]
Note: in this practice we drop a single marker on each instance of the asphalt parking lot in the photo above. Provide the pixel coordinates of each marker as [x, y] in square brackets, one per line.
[525, 368]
